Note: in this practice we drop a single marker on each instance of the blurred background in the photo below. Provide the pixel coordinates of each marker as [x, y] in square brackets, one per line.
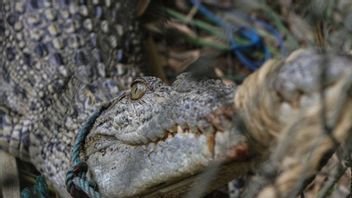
[229, 39]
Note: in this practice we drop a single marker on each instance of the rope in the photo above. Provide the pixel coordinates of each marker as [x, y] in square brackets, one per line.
[255, 42]
[77, 183]
[40, 189]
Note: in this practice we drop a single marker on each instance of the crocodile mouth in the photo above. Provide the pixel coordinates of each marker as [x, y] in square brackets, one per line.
[214, 126]
[182, 152]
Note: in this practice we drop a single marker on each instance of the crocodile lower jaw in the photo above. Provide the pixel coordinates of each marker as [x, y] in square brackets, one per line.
[152, 167]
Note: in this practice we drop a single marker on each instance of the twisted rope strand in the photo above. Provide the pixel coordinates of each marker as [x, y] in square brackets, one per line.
[76, 180]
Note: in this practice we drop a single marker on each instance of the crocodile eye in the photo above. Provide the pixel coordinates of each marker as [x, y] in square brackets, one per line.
[138, 89]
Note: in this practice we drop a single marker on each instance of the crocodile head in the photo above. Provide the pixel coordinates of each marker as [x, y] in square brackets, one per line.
[155, 135]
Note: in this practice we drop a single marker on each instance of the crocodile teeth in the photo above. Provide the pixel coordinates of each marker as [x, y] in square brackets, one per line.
[179, 129]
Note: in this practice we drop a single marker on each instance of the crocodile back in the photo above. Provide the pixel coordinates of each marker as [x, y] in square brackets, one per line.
[58, 59]
[46, 43]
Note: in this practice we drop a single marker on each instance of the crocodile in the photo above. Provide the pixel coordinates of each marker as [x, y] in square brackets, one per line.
[60, 60]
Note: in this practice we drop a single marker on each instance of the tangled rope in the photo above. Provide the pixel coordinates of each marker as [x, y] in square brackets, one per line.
[77, 183]
[40, 189]
[255, 41]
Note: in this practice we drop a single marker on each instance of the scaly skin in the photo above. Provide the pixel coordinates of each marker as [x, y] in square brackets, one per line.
[58, 60]
[171, 132]
[61, 59]
[137, 141]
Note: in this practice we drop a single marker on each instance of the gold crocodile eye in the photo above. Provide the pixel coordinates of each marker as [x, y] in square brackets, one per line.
[138, 89]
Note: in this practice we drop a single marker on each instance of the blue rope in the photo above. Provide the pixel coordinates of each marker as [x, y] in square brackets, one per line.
[76, 182]
[40, 189]
[26, 193]
[276, 34]
[87, 187]
[266, 26]
[255, 42]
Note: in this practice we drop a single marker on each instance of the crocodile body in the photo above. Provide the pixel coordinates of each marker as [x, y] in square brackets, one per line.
[61, 59]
